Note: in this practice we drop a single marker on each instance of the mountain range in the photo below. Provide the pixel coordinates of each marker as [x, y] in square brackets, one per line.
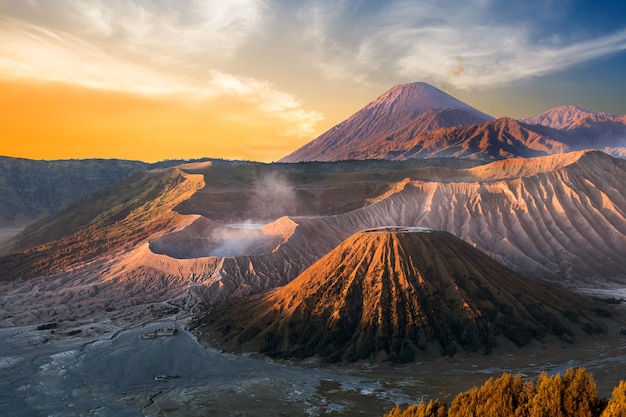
[195, 235]
[394, 127]
[33, 189]
[499, 197]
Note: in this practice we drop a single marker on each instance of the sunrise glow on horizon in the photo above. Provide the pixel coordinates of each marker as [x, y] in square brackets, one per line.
[255, 80]
[59, 121]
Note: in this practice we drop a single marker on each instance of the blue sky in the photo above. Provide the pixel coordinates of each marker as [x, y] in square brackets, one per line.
[306, 65]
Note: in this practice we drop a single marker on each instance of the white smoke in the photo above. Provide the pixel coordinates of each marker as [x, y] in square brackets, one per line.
[236, 241]
[273, 197]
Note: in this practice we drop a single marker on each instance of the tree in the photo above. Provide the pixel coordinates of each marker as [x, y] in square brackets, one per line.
[580, 398]
[464, 405]
[501, 397]
[548, 398]
[617, 404]
[574, 394]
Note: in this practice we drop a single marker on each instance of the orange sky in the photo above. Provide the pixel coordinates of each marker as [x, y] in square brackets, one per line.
[58, 121]
[242, 80]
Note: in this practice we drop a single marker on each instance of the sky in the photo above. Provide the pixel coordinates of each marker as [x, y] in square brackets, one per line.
[257, 79]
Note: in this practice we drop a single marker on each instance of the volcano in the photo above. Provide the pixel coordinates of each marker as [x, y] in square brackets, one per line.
[174, 235]
[398, 294]
[416, 107]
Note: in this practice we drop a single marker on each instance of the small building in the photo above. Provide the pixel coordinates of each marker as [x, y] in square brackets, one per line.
[160, 333]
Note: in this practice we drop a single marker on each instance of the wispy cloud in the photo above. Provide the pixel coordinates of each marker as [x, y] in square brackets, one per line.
[270, 100]
[148, 49]
[169, 32]
[461, 45]
[166, 30]
[32, 52]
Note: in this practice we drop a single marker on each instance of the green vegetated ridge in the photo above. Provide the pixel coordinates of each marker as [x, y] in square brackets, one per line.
[34, 189]
[574, 394]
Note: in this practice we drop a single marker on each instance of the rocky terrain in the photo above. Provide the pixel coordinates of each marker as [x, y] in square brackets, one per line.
[189, 236]
[34, 189]
[404, 110]
[494, 140]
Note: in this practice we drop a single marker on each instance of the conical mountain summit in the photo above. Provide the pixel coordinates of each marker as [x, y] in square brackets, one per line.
[411, 100]
[393, 110]
[398, 294]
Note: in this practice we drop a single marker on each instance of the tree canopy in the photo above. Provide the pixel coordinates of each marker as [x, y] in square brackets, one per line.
[574, 394]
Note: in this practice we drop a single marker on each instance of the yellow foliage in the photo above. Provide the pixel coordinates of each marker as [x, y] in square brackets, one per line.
[617, 404]
[574, 394]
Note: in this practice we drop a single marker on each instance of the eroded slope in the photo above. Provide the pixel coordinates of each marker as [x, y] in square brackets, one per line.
[155, 239]
[398, 294]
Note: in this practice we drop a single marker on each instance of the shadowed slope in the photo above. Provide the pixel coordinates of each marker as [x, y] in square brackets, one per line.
[239, 192]
[33, 189]
[111, 221]
[493, 140]
[395, 293]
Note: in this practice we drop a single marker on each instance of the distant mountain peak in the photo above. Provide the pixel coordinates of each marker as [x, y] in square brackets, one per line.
[568, 116]
[417, 120]
[564, 111]
[569, 108]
